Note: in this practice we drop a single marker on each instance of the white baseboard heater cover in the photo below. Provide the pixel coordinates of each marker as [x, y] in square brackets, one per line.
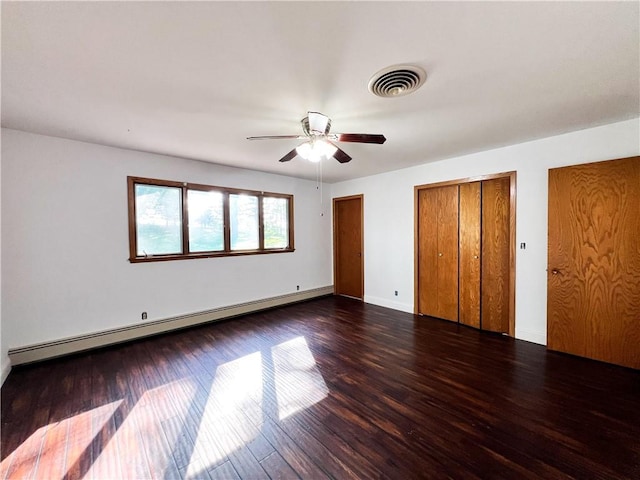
[66, 346]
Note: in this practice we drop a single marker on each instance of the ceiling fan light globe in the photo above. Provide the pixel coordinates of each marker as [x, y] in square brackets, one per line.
[314, 157]
[304, 150]
[327, 149]
[316, 150]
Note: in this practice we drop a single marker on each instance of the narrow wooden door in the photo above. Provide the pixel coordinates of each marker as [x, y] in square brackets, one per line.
[347, 243]
[428, 252]
[593, 282]
[470, 254]
[448, 253]
[438, 252]
[495, 254]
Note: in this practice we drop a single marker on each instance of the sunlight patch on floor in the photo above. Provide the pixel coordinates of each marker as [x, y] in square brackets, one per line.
[299, 383]
[50, 444]
[234, 399]
[143, 425]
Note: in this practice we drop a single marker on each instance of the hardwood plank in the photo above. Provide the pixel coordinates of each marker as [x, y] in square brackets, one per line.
[247, 465]
[277, 468]
[224, 472]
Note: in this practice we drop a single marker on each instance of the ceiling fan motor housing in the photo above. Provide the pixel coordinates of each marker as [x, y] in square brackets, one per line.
[316, 124]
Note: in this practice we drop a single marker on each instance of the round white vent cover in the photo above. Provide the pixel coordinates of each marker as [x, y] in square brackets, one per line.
[397, 80]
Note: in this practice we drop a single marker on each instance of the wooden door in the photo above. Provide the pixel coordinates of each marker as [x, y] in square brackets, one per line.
[347, 243]
[428, 252]
[496, 239]
[438, 252]
[593, 276]
[448, 253]
[470, 254]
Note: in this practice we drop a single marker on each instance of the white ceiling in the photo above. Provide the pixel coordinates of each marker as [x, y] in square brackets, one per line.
[193, 79]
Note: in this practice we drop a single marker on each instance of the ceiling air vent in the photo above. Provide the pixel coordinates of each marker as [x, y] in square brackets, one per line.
[397, 80]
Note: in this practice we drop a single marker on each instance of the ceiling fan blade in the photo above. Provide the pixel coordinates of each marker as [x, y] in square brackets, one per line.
[276, 137]
[289, 156]
[318, 122]
[341, 155]
[360, 138]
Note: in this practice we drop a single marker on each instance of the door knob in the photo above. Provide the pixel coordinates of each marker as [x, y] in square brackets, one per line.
[439, 254]
[475, 256]
[555, 271]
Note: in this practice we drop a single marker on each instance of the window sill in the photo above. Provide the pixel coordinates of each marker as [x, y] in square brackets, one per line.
[164, 258]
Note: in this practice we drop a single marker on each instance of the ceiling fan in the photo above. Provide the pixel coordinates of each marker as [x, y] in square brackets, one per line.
[319, 142]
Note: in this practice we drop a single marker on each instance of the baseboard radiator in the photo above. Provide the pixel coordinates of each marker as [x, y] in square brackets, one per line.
[66, 346]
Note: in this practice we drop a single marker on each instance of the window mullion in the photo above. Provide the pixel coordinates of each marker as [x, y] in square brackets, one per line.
[227, 222]
[260, 224]
[290, 225]
[185, 221]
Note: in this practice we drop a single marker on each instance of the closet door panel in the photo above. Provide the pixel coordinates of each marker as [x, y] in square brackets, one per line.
[470, 254]
[448, 253]
[428, 252]
[495, 255]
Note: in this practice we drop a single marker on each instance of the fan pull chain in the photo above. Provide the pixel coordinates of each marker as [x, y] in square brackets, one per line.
[321, 199]
[319, 185]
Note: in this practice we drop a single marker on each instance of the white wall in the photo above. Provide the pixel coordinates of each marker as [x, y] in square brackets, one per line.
[388, 213]
[65, 242]
[4, 359]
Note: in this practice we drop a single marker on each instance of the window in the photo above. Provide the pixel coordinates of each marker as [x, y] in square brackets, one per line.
[173, 220]
[243, 217]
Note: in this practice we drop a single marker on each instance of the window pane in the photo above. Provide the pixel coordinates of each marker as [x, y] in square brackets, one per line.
[158, 220]
[206, 221]
[243, 210]
[275, 214]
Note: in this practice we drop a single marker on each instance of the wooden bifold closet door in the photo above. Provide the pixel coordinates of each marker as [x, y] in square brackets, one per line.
[470, 250]
[438, 252]
[495, 255]
[464, 251]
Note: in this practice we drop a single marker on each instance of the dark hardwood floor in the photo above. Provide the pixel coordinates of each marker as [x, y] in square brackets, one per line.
[326, 388]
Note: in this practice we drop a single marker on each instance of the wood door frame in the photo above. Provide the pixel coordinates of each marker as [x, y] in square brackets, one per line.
[335, 240]
[512, 237]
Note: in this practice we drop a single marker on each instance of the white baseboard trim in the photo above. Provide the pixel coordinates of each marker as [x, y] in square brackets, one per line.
[66, 346]
[531, 336]
[5, 373]
[383, 302]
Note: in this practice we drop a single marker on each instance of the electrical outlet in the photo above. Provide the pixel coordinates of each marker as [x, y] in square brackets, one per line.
[144, 315]
[297, 287]
[396, 293]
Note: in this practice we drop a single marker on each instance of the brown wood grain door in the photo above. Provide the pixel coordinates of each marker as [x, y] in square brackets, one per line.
[470, 254]
[448, 253]
[347, 246]
[428, 252]
[593, 275]
[438, 252]
[495, 254]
